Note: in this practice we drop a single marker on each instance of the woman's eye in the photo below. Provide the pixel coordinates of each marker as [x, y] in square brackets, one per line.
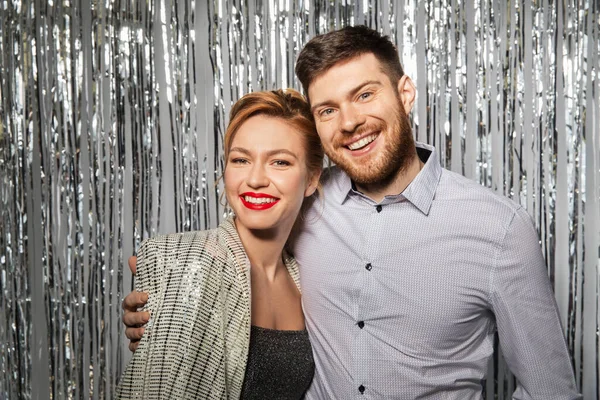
[239, 161]
[281, 163]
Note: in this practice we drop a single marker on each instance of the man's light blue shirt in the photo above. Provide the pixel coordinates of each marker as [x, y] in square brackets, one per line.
[402, 298]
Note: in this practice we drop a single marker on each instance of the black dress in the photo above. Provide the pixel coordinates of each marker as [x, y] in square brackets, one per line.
[280, 365]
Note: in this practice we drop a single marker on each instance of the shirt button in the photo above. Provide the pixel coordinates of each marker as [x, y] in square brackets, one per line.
[378, 208]
[361, 389]
[361, 324]
[368, 267]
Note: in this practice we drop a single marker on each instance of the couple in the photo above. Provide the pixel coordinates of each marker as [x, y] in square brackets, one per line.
[406, 269]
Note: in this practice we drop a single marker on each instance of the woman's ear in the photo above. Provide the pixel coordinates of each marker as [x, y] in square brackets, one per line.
[313, 183]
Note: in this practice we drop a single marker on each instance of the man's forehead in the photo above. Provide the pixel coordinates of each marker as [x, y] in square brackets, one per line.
[366, 57]
[356, 65]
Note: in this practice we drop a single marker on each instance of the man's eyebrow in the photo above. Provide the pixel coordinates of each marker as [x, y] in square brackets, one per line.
[270, 153]
[351, 92]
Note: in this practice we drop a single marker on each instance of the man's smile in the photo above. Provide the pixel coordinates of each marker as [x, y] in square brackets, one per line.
[362, 142]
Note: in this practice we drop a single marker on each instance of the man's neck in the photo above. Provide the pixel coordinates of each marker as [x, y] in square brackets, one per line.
[396, 185]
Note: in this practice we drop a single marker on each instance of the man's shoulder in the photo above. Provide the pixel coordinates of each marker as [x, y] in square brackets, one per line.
[474, 196]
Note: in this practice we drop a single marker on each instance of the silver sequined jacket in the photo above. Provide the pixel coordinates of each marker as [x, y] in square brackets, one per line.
[196, 342]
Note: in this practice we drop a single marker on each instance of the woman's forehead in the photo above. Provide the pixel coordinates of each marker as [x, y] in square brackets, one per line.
[265, 132]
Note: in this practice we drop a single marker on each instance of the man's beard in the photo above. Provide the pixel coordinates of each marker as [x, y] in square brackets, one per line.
[389, 162]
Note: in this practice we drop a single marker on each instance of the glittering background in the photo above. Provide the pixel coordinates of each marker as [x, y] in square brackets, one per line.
[112, 114]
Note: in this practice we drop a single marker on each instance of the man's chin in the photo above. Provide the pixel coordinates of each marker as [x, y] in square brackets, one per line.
[361, 174]
[377, 172]
[366, 179]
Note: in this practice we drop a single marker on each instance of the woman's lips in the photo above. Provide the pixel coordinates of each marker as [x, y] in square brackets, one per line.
[258, 201]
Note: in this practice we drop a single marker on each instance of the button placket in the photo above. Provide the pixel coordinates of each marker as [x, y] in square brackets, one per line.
[369, 253]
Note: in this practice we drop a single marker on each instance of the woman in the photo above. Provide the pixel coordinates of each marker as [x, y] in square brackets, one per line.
[227, 320]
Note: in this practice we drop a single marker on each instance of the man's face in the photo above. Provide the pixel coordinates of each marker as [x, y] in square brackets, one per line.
[361, 120]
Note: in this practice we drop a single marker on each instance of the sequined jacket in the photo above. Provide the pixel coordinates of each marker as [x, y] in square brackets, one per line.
[196, 342]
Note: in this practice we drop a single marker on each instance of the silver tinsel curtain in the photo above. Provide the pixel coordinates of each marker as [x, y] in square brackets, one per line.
[112, 114]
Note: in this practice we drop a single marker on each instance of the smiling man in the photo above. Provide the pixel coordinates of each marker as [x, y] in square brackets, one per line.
[407, 269]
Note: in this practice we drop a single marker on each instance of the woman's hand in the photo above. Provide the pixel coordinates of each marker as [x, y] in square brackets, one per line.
[133, 319]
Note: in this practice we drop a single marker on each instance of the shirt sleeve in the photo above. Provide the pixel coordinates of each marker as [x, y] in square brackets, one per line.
[527, 317]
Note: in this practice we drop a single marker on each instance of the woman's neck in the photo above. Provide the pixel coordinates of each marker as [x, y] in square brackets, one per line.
[264, 248]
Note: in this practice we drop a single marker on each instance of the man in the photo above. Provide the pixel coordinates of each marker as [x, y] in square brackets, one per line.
[407, 269]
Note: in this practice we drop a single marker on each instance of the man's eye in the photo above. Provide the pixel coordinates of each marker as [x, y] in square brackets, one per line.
[365, 95]
[326, 112]
[239, 161]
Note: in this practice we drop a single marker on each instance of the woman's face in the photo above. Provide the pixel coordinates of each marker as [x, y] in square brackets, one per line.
[266, 178]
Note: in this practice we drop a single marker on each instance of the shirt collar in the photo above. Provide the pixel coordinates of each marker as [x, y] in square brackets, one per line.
[420, 192]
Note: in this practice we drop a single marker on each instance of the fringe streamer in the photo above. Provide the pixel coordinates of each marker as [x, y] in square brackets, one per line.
[112, 116]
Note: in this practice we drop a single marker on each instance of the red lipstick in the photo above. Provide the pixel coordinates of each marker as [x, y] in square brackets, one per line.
[259, 206]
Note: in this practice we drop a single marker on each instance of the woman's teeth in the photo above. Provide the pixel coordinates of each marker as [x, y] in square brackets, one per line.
[362, 142]
[259, 200]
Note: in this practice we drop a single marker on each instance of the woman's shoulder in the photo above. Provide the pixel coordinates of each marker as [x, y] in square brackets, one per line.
[174, 239]
[185, 245]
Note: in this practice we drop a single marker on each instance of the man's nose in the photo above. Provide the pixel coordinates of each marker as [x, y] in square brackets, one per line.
[257, 177]
[351, 118]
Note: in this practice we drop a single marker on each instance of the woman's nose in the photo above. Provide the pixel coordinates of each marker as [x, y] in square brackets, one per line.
[257, 176]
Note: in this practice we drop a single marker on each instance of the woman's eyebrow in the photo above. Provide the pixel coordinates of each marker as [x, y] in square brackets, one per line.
[270, 153]
[281, 151]
[239, 150]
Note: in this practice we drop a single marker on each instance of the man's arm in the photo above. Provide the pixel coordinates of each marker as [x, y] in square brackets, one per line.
[133, 319]
[529, 327]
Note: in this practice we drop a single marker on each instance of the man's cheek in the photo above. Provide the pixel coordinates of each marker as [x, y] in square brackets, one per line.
[326, 138]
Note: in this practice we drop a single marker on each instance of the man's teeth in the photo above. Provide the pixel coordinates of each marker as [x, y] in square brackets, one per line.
[362, 142]
[259, 200]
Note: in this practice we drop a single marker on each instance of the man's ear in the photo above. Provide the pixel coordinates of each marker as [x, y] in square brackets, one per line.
[407, 93]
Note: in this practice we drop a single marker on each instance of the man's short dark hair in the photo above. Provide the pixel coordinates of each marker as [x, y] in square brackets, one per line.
[324, 51]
